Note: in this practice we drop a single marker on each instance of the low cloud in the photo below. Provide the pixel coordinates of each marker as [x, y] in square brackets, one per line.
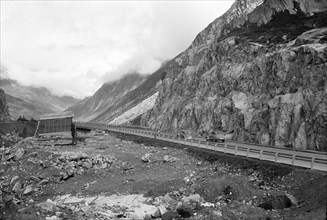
[72, 47]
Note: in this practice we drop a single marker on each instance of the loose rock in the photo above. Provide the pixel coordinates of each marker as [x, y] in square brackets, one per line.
[185, 210]
[146, 158]
[14, 179]
[19, 153]
[28, 190]
[292, 199]
[52, 218]
[48, 206]
[167, 158]
[169, 215]
[17, 187]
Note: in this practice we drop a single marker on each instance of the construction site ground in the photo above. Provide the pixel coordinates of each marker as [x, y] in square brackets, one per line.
[119, 176]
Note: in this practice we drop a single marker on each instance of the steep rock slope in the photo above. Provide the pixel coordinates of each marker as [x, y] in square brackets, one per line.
[259, 70]
[31, 101]
[105, 97]
[134, 98]
[4, 110]
[132, 114]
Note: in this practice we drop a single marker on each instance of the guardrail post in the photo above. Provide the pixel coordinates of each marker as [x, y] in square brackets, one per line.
[206, 144]
[225, 148]
[261, 154]
[293, 159]
[247, 152]
[235, 150]
[276, 157]
[312, 163]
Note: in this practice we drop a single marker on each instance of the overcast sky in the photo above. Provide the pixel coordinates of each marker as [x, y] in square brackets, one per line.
[73, 47]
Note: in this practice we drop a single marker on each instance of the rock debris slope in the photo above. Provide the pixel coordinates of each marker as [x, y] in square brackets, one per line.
[119, 176]
[4, 110]
[133, 98]
[109, 93]
[136, 111]
[260, 70]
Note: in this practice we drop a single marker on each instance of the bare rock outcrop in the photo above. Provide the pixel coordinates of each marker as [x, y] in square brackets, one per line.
[4, 109]
[259, 70]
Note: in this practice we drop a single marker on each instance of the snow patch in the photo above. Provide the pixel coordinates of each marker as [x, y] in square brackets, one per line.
[134, 112]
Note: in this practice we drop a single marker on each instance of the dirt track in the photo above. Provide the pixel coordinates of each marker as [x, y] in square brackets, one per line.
[103, 165]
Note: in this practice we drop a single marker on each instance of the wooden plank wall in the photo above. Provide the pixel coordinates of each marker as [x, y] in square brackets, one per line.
[55, 125]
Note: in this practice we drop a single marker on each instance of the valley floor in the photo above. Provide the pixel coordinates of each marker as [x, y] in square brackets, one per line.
[118, 176]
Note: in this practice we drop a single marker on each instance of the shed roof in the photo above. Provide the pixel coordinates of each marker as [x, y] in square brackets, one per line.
[57, 115]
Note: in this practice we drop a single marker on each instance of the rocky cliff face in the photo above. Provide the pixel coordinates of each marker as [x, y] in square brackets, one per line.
[4, 110]
[91, 107]
[259, 70]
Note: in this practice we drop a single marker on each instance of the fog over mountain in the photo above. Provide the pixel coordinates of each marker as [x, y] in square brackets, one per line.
[105, 97]
[72, 48]
[258, 71]
[31, 101]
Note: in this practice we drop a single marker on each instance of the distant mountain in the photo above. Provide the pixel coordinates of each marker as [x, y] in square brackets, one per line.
[31, 101]
[106, 97]
[148, 88]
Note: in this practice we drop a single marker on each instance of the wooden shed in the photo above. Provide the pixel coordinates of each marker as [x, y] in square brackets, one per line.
[56, 122]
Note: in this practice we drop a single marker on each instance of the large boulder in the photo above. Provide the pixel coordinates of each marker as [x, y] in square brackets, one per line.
[48, 206]
[19, 153]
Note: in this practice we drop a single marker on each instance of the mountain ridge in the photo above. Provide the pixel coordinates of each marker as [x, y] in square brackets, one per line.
[30, 101]
[93, 106]
[134, 97]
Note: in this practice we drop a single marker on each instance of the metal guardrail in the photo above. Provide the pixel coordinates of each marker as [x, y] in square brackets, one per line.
[307, 159]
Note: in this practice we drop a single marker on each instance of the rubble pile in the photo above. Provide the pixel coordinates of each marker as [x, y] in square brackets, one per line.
[105, 177]
[16, 149]
[148, 158]
[9, 139]
[133, 206]
[81, 162]
[26, 169]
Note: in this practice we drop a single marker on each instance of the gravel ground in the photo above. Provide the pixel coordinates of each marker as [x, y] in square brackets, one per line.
[119, 176]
